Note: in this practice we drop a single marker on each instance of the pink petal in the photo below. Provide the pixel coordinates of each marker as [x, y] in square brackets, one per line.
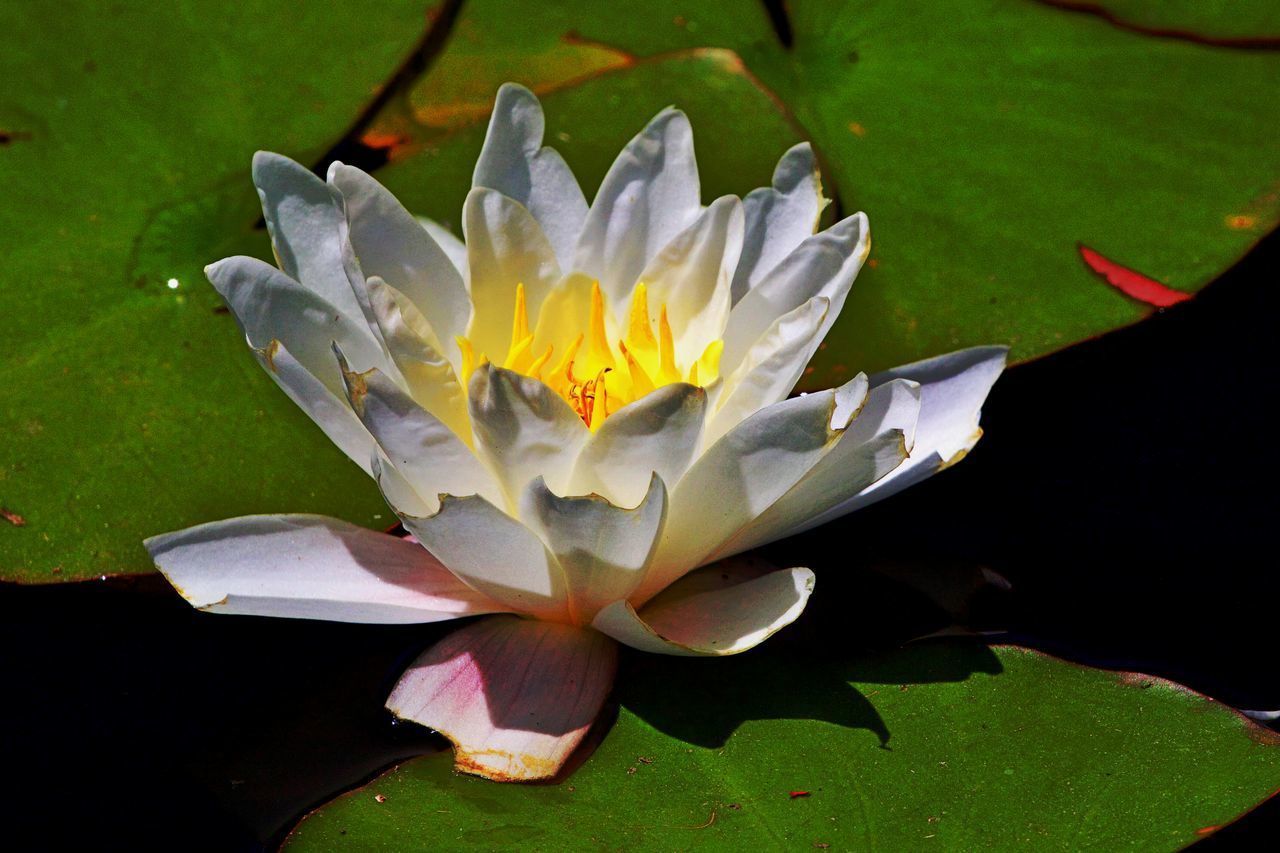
[515, 696]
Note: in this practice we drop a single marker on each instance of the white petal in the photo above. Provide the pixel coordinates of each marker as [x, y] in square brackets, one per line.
[952, 390]
[656, 434]
[603, 549]
[515, 696]
[771, 367]
[491, 552]
[454, 249]
[329, 411]
[271, 306]
[738, 478]
[723, 609]
[778, 218]
[423, 449]
[304, 218]
[649, 195]
[514, 162]
[505, 247]
[823, 265]
[311, 567]
[417, 354]
[875, 443]
[524, 429]
[692, 274]
[393, 246]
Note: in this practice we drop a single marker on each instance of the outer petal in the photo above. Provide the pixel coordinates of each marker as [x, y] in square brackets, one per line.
[330, 412]
[311, 567]
[823, 265]
[393, 246]
[603, 549]
[771, 367]
[516, 697]
[778, 218]
[514, 162]
[423, 449]
[875, 443]
[723, 609]
[454, 249]
[505, 247]
[271, 306]
[305, 221]
[649, 195]
[692, 273]
[656, 434]
[952, 390]
[490, 551]
[524, 429]
[741, 476]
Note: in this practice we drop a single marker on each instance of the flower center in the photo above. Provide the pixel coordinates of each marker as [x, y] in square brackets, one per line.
[598, 373]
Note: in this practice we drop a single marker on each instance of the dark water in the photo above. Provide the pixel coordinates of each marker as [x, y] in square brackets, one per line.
[1124, 488]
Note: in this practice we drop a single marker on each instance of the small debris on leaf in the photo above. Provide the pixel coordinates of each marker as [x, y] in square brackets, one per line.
[644, 759]
[797, 794]
[12, 517]
[379, 798]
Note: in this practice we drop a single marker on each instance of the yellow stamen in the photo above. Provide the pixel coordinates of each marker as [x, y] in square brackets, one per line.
[518, 357]
[520, 321]
[708, 364]
[598, 350]
[641, 384]
[639, 326]
[667, 372]
[468, 358]
[535, 369]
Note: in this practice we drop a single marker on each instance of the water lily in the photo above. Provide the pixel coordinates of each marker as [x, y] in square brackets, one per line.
[571, 412]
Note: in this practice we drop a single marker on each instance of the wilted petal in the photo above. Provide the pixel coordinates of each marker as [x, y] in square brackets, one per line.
[271, 306]
[875, 443]
[516, 697]
[656, 434]
[723, 609]
[311, 567]
[823, 265]
[514, 162]
[393, 246]
[692, 273]
[524, 429]
[771, 367]
[423, 449]
[490, 551]
[603, 549]
[649, 195]
[505, 247]
[778, 218]
[741, 476]
[308, 231]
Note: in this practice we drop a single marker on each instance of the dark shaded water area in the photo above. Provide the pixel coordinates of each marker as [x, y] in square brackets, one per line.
[1123, 489]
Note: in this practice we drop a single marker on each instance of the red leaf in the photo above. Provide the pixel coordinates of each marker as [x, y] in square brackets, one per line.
[1131, 282]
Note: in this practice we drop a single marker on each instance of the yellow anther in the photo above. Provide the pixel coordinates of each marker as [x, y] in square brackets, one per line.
[535, 369]
[519, 322]
[468, 358]
[518, 357]
[667, 372]
[639, 327]
[598, 350]
[708, 364]
[641, 384]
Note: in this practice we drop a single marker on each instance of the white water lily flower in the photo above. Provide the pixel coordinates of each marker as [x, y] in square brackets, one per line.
[571, 411]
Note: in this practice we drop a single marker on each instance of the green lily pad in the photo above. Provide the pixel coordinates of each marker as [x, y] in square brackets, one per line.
[1228, 21]
[130, 405]
[952, 746]
[988, 146]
